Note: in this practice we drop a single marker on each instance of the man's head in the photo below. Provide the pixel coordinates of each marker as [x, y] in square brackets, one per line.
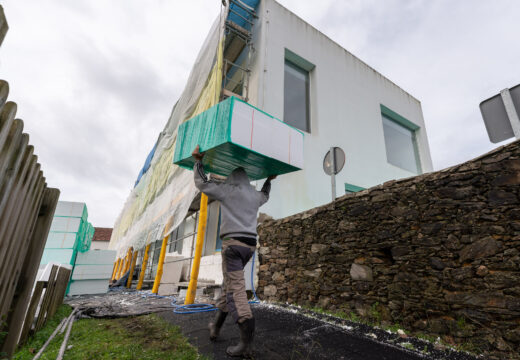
[238, 177]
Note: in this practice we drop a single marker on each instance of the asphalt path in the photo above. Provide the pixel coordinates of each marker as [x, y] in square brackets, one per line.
[292, 333]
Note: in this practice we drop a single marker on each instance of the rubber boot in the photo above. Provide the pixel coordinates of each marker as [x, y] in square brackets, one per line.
[245, 346]
[216, 324]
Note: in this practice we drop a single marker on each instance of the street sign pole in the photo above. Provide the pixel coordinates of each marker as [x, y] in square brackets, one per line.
[333, 175]
[511, 111]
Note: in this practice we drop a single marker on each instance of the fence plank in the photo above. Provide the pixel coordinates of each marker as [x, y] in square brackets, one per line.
[46, 298]
[7, 116]
[24, 225]
[31, 311]
[15, 208]
[61, 288]
[30, 270]
[3, 25]
[4, 89]
[11, 156]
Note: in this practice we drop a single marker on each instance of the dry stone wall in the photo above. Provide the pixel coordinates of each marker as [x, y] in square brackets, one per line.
[438, 253]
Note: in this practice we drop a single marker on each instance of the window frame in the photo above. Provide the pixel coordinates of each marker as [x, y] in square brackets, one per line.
[350, 189]
[408, 125]
[298, 63]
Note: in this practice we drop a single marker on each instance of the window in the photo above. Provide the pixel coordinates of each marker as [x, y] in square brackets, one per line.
[177, 239]
[400, 141]
[296, 91]
[349, 188]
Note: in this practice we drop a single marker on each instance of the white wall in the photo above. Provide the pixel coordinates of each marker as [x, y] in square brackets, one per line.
[99, 245]
[345, 99]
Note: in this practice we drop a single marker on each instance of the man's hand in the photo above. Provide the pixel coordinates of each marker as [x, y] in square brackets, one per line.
[271, 177]
[196, 154]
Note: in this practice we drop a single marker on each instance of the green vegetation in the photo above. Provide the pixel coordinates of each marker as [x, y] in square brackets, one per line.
[408, 346]
[461, 323]
[374, 313]
[142, 337]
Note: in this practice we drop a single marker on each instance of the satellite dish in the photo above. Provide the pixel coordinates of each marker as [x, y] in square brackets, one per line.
[339, 160]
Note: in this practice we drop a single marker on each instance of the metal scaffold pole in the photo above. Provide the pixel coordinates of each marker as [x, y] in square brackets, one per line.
[201, 231]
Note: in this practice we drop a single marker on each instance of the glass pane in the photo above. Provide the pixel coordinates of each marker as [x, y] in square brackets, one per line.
[400, 145]
[296, 97]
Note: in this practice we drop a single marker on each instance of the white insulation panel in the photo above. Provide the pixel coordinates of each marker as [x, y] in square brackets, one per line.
[99, 257]
[69, 208]
[253, 129]
[82, 287]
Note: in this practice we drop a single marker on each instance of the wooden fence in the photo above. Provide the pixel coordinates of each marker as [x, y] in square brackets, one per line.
[47, 305]
[26, 211]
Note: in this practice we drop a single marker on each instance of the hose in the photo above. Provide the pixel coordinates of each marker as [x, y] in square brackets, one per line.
[199, 308]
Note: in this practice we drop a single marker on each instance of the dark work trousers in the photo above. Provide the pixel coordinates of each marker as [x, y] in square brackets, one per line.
[235, 255]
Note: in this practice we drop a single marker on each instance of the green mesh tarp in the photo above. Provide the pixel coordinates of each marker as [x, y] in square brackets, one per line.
[235, 134]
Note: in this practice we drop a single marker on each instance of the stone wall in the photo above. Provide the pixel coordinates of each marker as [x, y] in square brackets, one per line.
[438, 254]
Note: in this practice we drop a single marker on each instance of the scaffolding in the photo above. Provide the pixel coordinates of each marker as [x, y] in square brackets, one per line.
[237, 50]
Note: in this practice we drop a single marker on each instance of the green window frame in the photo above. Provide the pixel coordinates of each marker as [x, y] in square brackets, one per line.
[297, 105]
[400, 136]
[349, 188]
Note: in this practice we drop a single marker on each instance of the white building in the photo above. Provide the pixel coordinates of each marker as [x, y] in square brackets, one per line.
[305, 78]
[301, 76]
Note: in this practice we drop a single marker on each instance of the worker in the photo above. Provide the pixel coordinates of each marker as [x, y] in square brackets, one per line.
[121, 282]
[239, 203]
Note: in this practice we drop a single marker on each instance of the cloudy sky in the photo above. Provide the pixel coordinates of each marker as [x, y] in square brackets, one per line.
[95, 80]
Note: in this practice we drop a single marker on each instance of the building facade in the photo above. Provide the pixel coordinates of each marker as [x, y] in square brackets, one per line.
[101, 238]
[292, 71]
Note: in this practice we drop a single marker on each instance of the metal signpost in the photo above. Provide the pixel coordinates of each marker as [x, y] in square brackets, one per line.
[332, 164]
[501, 115]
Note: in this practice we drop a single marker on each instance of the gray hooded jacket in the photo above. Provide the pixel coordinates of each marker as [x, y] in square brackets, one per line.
[239, 201]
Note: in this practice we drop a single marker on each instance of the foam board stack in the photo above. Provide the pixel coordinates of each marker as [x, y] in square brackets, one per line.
[235, 134]
[92, 272]
[70, 232]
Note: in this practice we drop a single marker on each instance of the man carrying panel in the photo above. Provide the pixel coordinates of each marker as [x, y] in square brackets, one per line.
[239, 203]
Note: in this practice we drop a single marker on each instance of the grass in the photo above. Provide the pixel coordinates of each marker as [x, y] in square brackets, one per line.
[142, 337]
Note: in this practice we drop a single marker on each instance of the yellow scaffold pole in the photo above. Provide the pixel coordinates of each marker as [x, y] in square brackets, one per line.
[122, 270]
[128, 260]
[132, 268]
[201, 230]
[116, 268]
[158, 274]
[143, 268]
[121, 266]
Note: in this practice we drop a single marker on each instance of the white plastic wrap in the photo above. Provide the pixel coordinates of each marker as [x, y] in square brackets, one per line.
[161, 199]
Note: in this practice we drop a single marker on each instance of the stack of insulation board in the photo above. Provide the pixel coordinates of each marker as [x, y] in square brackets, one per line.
[92, 272]
[235, 134]
[70, 233]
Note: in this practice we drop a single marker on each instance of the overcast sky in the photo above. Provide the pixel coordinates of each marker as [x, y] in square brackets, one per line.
[95, 80]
